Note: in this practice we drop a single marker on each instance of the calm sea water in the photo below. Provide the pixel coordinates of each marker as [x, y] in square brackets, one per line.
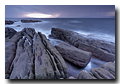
[100, 28]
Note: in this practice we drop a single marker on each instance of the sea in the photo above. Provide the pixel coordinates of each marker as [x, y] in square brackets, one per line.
[97, 28]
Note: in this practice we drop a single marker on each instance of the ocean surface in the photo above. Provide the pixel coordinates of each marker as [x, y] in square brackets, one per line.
[98, 28]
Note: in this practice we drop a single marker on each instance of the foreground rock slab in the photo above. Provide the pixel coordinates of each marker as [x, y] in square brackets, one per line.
[100, 49]
[74, 55]
[49, 64]
[10, 52]
[23, 62]
[29, 55]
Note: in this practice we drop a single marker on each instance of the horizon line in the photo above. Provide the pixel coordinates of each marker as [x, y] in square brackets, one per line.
[56, 18]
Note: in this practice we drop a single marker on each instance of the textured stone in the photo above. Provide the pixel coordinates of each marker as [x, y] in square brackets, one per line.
[8, 22]
[49, 64]
[23, 62]
[106, 71]
[101, 73]
[74, 55]
[9, 32]
[100, 49]
[85, 75]
[109, 66]
[10, 52]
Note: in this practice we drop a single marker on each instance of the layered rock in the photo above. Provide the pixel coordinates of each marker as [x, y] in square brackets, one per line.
[8, 22]
[29, 21]
[109, 66]
[85, 75]
[9, 32]
[10, 52]
[100, 49]
[48, 62]
[106, 72]
[100, 73]
[29, 55]
[23, 62]
[74, 55]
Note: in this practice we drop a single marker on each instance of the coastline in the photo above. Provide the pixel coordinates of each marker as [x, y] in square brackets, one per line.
[74, 24]
[73, 70]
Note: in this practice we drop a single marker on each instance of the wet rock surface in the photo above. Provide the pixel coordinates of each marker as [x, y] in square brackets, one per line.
[9, 32]
[49, 64]
[100, 49]
[85, 75]
[74, 55]
[10, 52]
[29, 55]
[98, 73]
[8, 22]
[109, 66]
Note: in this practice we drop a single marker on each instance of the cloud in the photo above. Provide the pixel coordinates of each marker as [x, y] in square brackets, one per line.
[108, 14]
[61, 11]
[41, 15]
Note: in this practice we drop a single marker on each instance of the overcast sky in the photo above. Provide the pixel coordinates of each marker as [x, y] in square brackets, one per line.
[60, 11]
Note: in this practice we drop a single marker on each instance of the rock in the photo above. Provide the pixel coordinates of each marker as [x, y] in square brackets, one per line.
[107, 71]
[29, 31]
[29, 21]
[101, 73]
[10, 52]
[29, 55]
[49, 64]
[8, 22]
[74, 55]
[71, 77]
[109, 66]
[100, 49]
[18, 26]
[23, 62]
[9, 32]
[85, 75]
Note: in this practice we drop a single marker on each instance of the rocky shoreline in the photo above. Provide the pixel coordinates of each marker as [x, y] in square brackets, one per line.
[29, 21]
[100, 49]
[30, 55]
[8, 22]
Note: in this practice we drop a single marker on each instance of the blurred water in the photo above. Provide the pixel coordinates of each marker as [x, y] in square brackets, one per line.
[73, 70]
[100, 28]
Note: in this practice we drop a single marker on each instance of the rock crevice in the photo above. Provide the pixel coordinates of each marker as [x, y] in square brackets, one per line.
[29, 55]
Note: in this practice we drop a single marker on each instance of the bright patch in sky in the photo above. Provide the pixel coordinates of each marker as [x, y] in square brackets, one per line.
[40, 15]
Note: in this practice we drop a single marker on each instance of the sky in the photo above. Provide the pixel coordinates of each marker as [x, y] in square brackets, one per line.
[59, 11]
